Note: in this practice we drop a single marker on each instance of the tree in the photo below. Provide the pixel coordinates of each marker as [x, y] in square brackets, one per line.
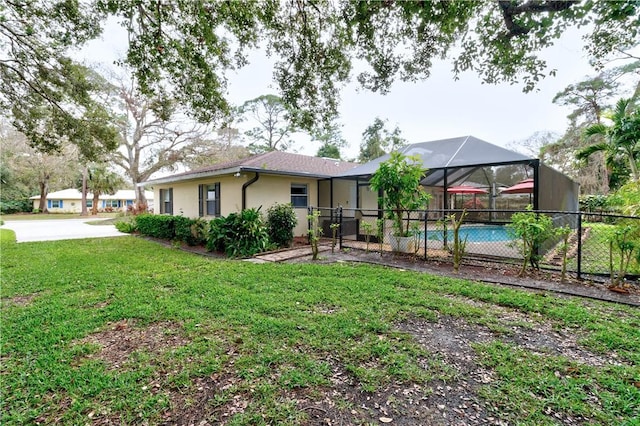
[212, 151]
[399, 180]
[27, 171]
[187, 48]
[50, 97]
[152, 139]
[328, 150]
[589, 99]
[273, 123]
[622, 137]
[101, 181]
[331, 140]
[194, 44]
[377, 140]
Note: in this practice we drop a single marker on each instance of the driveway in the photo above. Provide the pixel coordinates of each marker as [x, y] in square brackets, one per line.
[59, 229]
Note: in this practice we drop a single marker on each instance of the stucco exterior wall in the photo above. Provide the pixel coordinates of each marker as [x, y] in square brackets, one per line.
[265, 192]
[186, 198]
[271, 189]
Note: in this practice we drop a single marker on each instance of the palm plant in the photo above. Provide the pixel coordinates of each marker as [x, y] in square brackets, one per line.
[620, 138]
[102, 181]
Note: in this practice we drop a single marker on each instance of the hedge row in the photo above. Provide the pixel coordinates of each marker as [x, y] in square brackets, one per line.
[238, 235]
[175, 228]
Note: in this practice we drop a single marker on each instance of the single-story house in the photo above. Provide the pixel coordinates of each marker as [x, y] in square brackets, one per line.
[281, 177]
[70, 200]
[257, 181]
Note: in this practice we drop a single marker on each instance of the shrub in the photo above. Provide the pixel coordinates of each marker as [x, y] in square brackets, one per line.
[531, 229]
[127, 226]
[191, 231]
[239, 234]
[16, 206]
[217, 234]
[157, 226]
[281, 219]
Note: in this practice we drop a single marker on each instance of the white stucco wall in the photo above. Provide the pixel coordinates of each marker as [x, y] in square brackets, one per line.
[265, 192]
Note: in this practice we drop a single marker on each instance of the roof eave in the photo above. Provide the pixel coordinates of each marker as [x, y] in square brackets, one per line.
[232, 170]
[191, 176]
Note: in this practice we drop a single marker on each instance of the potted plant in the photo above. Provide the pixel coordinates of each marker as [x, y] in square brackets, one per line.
[399, 180]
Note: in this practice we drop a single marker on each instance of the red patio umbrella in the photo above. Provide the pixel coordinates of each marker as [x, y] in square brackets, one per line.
[522, 187]
[464, 189]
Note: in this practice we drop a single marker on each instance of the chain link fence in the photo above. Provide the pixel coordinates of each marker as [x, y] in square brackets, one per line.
[596, 244]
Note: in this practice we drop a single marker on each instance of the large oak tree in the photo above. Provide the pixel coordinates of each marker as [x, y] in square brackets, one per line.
[189, 47]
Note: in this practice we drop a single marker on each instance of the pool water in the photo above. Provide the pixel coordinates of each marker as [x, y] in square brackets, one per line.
[475, 234]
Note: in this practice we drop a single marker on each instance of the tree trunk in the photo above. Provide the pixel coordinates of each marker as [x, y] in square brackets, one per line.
[141, 198]
[96, 199]
[634, 167]
[44, 190]
[84, 211]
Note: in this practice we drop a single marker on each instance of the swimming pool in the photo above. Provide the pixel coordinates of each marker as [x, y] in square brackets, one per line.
[474, 234]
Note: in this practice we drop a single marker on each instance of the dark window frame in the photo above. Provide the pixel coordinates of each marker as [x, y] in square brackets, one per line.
[297, 197]
[209, 206]
[166, 201]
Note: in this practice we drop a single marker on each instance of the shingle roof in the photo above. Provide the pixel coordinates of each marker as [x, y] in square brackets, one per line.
[453, 152]
[276, 162]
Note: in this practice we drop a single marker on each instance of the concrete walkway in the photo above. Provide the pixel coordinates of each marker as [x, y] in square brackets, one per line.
[59, 229]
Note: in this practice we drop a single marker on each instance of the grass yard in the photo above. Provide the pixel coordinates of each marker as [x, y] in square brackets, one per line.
[125, 331]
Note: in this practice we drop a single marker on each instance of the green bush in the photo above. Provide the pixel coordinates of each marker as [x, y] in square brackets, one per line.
[530, 230]
[157, 226]
[281, 219]
[239, 234]
[15, 206]
[127, 226]
[217, 234]
[191, 231]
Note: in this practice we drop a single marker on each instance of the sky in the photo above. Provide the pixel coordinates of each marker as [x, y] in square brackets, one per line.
[436, 108]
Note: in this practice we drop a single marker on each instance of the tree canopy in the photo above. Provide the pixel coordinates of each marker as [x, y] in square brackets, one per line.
[273, 123]
[622, 137]
[186, 49]
[316, 44]
[50, 97]
[377, 140]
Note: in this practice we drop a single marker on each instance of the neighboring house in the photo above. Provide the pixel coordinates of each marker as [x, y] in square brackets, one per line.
[70, 201]
[257, 181]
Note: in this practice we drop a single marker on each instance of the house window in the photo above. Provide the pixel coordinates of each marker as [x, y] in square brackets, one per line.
[299, 195]
[54, 204]
[112, 203]
[166, 201]
[90, 204]
[209, 199]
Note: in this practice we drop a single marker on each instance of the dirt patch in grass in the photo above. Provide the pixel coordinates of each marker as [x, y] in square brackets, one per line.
[207, 401]
[122, 338]
[20, 300]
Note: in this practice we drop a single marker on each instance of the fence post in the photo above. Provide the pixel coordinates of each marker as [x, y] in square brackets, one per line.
[309, 213]
[426, 213]
[579, 254]
[341, 226]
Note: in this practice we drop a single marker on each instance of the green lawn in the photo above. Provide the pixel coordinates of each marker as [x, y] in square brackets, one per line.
[126, 331]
